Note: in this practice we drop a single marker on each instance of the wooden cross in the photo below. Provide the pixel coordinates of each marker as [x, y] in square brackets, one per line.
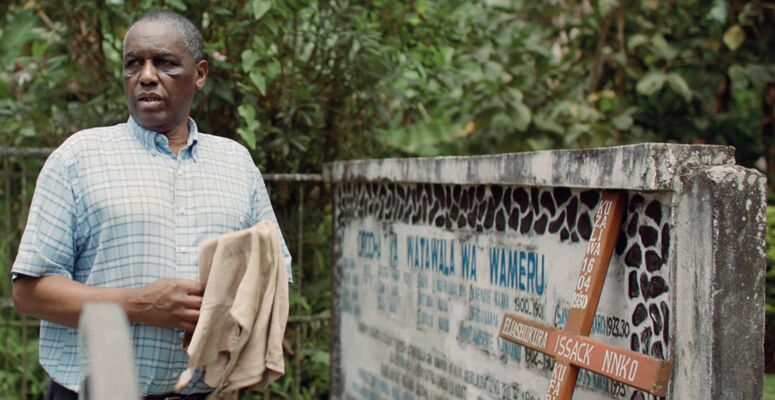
[570, 346]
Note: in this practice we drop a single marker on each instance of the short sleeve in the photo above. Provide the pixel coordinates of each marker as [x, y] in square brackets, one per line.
[261, 210]
[48, 243]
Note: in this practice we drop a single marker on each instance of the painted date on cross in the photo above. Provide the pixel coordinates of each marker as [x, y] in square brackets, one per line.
[579, 301]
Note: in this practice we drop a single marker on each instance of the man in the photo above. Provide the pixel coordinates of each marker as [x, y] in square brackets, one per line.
[119, 212]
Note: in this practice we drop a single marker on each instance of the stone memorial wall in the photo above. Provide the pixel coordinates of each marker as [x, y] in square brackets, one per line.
[430, 253]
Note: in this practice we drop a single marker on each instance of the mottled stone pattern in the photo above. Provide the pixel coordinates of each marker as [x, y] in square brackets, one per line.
[643, 245]
[337, 380]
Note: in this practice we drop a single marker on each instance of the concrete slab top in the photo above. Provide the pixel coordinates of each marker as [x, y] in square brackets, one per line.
[646, 166]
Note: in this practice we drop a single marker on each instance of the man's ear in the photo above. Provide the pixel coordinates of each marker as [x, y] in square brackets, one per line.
[201, 74]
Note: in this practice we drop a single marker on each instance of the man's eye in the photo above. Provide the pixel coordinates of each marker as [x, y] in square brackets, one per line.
[164, 63]
[131, 65]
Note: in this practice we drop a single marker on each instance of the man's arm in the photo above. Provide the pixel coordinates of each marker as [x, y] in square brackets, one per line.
[166, 303]
[43, 286]
[261, 209]
[45, 265]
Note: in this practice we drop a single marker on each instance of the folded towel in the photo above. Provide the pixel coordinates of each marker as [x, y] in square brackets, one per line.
[238, 338]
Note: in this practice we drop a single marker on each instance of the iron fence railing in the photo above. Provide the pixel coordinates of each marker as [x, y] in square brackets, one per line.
[18, 171]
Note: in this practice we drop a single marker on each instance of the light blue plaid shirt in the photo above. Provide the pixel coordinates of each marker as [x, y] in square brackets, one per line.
[114, 207]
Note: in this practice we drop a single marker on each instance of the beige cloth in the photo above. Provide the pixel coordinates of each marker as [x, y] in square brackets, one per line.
[238, 338]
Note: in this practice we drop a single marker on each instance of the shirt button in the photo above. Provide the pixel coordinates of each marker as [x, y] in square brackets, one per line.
[183, 249]
[180, 172]
[181, 210]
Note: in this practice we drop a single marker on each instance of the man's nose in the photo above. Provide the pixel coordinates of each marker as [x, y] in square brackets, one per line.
[148, 75]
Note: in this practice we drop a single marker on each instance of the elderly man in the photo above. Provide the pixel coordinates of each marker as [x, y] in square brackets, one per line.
[119, 212]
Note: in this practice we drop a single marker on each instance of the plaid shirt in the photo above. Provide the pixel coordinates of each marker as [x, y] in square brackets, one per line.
[114, 207]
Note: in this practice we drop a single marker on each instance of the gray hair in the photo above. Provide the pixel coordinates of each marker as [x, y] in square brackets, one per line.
[192, 38]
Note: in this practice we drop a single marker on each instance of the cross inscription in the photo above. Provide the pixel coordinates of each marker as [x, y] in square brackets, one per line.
[571, 347]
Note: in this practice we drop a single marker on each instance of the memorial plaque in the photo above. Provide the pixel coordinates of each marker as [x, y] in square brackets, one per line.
[570, 347]
[430, 254]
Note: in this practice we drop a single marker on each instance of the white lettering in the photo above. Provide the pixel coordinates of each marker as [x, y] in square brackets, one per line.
[526, 334]
[620, 365]
[577, 352]
[633, 370]
[579, 301]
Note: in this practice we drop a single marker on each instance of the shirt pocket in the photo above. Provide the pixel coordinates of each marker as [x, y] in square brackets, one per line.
[221, 218]
[221, 214]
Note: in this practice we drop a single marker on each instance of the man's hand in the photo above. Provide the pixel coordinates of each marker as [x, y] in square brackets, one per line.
[167, 303]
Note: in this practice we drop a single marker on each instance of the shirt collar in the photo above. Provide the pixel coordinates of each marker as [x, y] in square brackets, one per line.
[157, 142]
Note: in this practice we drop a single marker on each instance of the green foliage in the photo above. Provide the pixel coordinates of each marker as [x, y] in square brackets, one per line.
[769, 387]
[306, 225]
[21, 377]
[302, 82]
[532, 76]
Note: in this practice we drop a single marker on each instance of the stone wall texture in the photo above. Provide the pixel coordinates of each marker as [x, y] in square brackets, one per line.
[687, 272]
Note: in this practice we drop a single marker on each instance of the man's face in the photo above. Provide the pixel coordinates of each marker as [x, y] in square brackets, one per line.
[160, 76]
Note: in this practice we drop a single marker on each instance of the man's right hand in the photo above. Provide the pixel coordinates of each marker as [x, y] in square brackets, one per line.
[167, 303]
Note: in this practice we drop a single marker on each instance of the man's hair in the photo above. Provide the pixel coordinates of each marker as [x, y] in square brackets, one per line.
[192, 38]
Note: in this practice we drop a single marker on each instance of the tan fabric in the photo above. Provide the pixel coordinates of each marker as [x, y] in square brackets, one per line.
[238, 338]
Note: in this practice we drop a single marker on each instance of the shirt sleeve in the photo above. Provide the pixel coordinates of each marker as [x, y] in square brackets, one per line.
[48, 245]
[262, 210]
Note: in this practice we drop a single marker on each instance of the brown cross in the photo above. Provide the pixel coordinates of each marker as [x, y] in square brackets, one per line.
[570, 346]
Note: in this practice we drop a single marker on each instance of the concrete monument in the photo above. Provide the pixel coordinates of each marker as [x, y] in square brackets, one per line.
[430, 254]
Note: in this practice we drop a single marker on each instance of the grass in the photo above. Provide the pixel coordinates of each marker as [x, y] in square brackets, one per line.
[769, 387]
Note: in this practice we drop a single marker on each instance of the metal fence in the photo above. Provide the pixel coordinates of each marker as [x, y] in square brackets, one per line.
[22, 377]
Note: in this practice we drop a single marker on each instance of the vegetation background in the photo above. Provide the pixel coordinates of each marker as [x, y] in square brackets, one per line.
[304, 82]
